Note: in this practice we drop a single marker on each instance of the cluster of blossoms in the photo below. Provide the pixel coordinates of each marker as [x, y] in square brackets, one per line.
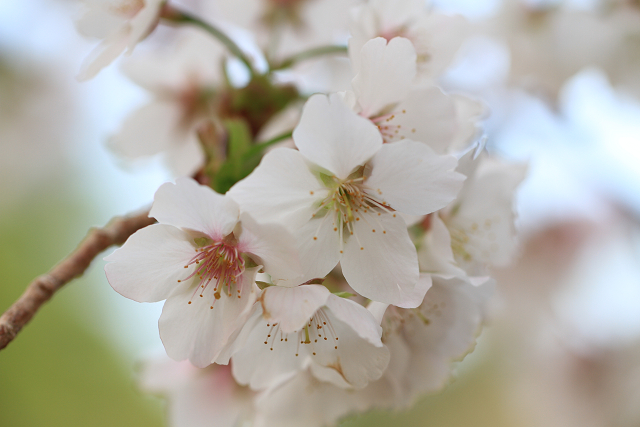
[342, 271]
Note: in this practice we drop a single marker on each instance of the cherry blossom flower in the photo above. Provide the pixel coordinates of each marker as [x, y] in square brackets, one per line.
[477, 230]
[385, 91]
[202, 258]
[436, 37]
[425, 341]
[339, 194]
[293, 328]
[120, 23]
[207, 397]
[180, 79]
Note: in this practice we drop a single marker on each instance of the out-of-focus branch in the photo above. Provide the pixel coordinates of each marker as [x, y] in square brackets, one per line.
[171, 14]
[309, 54]
[43, 287]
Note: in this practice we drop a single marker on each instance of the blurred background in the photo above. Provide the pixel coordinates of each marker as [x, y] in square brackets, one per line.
[562, 348]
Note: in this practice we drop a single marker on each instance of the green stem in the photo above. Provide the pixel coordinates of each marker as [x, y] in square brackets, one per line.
[172, 14]
[308, 54]
[259, 148]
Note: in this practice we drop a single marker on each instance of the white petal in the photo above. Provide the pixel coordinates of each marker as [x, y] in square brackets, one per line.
[187, 204]
[386, 74]
[272, 366]
[186, 157]
[356, 359]
[334, 137]
[382, 265]
[427, 115]
[149, 130]
[281, 189]
[438, 38]
[150, 263]
[357, 317]
[196, 397]
[485, 215]
[377, 309]
[393, 14]
[435, 254]
[291, 308]
[104, 54]
[412, 178]
[95, 22]
[273, 247]
[212, 399]
[144, 21]
[305, 401]
[452, 313]
[198, 332]
[318, 247]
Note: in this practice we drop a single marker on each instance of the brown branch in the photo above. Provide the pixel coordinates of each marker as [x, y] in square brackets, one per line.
[43, 287]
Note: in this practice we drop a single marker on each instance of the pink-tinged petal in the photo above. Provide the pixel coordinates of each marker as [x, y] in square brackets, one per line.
[149, 130]
[291, 308]
[427, 115]
[319, 247]
[197, 332]
[259, 367]
[355, 358]
[212, 399]
[104, 54]
[272, 246]
[385, 75]
[186, 157]
[357, 317]
[187, 204]
[334, 137]
[197, 397]
[150, 263]
[412, 178]
[382, 265]
[281, 189]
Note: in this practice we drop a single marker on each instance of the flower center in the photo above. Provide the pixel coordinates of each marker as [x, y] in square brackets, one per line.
[317, 333]
[388, 129]
[349, 203]
[219, 263]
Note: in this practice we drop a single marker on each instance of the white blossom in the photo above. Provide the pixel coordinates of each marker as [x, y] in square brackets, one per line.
[180, 80]
[340, 192]
[293, 328]
[121, 24]
[477, 230]
[197, 259]
[436, 37]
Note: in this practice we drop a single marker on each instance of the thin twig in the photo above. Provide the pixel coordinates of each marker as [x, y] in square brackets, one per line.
[309, 54]
[43, 287]
[171, 14]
